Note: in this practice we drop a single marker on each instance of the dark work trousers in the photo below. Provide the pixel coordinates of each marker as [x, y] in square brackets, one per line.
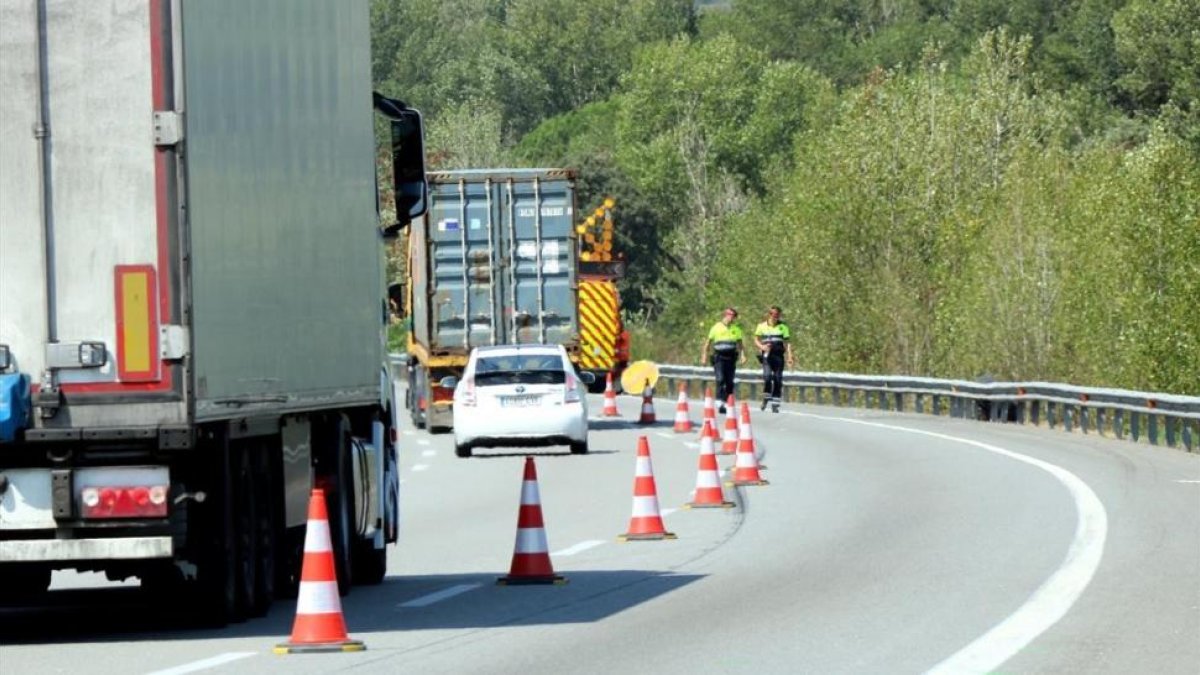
[773, 377]
[724, 367]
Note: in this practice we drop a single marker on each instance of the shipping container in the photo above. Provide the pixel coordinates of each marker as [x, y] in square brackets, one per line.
[494, 261]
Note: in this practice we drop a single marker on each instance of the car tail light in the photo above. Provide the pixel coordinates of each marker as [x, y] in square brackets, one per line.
[129, 501]
[572, 393]
[468, 392]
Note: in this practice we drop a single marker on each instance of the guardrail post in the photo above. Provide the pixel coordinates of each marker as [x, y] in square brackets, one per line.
[1101, 418]
[899, 402]
[1188, 436]
[918, 403]
[1083, 419]
[1051, 413]
[1119, 423]
[1153, 428]
[1135, 426]
[1170, 422]
[1034, 407]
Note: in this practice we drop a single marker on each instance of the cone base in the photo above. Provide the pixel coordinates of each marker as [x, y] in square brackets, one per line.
[320, 647]
[709, 505]
[510, 580]
[611, 414]
[649, 536]
[761, 481]
[684, 430]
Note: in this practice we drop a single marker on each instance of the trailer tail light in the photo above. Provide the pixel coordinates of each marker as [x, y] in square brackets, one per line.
[124, 501]
[443, 394]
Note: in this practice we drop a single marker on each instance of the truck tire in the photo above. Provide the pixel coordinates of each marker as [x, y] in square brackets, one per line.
[24, 582]
[580, 448]
[339, 502]
[370, 563]
[245, 523]
[463, 450]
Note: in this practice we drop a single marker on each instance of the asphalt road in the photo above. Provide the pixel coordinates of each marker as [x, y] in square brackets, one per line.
[884, 543]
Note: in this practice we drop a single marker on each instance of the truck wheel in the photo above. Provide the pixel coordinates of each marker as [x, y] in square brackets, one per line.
[339, 502]
[462, 450]
[24, 582]
[370, 563]
[246, 536]
[580, 448]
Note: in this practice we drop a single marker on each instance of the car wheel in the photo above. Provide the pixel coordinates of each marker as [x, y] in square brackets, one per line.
[462, 450]
[579, 447]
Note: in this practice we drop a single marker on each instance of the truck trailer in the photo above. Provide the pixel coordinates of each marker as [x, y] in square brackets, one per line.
[493, 261]
[192, 295]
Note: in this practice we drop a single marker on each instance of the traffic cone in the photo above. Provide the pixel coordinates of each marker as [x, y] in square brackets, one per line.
[647, 405]
[319, 626]
[683, 423]
[710, 411]
[708, 479]
[531, 554]
[746, 440]
[610, 398]
[646, 522]
[745, 468]
[729, 440]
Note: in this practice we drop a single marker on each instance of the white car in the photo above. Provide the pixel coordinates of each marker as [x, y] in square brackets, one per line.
[520, 395]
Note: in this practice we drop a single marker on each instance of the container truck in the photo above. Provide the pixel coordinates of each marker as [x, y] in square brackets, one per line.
[192, 304]
[493, 261]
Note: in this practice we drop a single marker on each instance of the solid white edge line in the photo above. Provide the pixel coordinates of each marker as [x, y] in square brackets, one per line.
[428, 453]
[438, 596]
[204, 664]
[578, 548]
[420, 467]
[1050, 601]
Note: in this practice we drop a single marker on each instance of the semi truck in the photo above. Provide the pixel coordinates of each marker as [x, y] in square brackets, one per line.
[192, 295]
[493, 261]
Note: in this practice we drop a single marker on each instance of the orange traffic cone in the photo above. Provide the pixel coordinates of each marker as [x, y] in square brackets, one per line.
[745, 468]
[531, 554]
[746, 440]
[710, 411]
[708, 479]
[646, 522]
[319, 626]
[647, 405]
[729, 440]
[683, 423]
[610, 398]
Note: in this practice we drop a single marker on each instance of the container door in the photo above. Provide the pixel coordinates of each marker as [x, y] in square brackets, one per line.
[539, 286]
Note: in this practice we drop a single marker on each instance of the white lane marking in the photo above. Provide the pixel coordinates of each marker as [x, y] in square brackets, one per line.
[690, 444]
[664, 434]
[422, 441]
[578, 548]
[425, 600]
[1057, 594]
[409, 432]
[666, 512]
[204, 664]
[428, 453]
[420, 467]
[1187, 481]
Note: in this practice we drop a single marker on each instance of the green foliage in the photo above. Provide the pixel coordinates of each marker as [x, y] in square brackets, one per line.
[950, 187]
[1158, 41]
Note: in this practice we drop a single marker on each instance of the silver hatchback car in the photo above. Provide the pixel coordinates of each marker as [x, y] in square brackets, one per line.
[520, 395]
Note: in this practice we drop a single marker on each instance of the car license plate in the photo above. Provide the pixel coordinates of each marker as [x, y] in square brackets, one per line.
[520, 401]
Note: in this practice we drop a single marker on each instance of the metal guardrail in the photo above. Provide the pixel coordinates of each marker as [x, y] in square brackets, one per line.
[1139, 416]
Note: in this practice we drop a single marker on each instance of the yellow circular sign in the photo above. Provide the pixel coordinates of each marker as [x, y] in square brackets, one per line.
[635, 377]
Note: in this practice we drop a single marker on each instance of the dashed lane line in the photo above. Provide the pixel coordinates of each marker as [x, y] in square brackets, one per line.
[204, 664]
[443, 594]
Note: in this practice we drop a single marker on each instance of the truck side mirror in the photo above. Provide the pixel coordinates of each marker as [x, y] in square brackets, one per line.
[408, 160]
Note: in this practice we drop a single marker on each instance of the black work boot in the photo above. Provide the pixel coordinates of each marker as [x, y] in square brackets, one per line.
[764, 403]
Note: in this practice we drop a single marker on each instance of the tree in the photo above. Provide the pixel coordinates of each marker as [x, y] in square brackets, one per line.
[1158, 42]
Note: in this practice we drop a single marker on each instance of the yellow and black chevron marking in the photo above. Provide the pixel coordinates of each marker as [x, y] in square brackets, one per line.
[598, 325]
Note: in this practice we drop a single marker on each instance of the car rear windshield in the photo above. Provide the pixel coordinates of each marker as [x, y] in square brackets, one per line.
[516, 369]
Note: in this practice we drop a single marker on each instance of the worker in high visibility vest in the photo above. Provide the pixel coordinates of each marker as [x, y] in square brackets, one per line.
[772, 338]
[725, 339]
